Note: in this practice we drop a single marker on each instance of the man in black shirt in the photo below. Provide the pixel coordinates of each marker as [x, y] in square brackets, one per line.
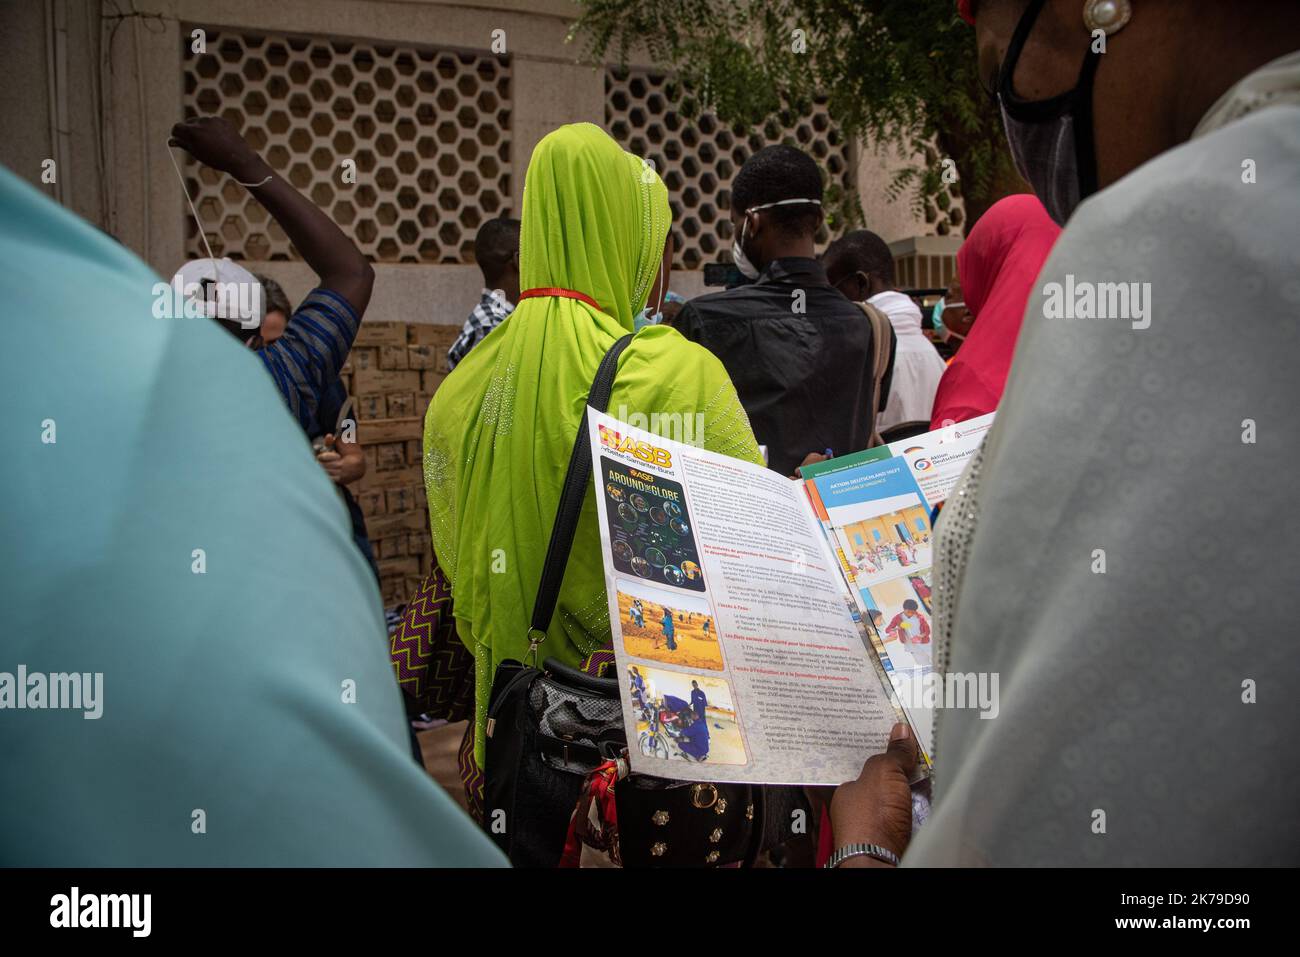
[798, 352]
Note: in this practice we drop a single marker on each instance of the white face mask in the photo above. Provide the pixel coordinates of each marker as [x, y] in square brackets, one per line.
[220, 288]
[743, 263]
[747, 268]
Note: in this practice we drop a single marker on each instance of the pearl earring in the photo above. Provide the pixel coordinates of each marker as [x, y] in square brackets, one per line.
[1108, 16]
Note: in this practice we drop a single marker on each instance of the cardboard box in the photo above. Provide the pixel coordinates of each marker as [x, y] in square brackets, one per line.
[410, 477]
[368, 381]
[422, 357]
[394, 357]
[401, 499]
[381, 430]
[440, 337]
[390, 455]
[381, 334]
[399, 567]
[385, 526]
[394, 370]
[363, 359]
[401, 405]
[371, 501]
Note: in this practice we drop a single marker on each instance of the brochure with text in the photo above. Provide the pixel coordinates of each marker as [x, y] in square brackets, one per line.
[763, 627]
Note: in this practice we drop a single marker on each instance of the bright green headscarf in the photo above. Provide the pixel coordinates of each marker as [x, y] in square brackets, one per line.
[498, 434]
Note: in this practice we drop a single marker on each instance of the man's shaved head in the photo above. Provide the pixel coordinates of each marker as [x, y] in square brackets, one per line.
[496, 244]
[859, 251]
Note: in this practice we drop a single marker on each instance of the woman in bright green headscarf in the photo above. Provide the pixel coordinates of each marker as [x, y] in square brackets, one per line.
[500, 429]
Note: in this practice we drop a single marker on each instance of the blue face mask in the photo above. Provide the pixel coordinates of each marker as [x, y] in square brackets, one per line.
[652, 317]
[936, 317]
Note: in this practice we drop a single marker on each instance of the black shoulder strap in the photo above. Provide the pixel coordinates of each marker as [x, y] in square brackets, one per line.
[572, 496]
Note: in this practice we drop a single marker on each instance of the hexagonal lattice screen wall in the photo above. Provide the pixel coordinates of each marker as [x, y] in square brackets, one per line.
[945, 213]
[699, 157]
[429, 131]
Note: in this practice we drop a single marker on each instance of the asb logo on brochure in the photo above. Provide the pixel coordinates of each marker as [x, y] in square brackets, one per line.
[612, 439]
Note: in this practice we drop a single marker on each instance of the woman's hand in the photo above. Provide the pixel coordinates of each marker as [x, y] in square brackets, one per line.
[877, 807]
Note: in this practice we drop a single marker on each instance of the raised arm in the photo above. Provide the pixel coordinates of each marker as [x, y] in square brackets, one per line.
[306, 360]
[324, 247]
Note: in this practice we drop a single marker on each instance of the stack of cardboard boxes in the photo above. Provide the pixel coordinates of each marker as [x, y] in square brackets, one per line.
[392, 373]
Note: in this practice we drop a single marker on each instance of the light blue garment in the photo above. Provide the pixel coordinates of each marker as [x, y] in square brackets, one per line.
[223, 692]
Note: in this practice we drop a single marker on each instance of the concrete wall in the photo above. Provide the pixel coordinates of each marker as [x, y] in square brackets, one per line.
[62, 65]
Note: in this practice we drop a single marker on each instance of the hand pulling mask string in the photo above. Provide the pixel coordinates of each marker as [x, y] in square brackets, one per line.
[171, 154]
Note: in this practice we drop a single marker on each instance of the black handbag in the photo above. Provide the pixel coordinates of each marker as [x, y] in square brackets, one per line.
[549, 728]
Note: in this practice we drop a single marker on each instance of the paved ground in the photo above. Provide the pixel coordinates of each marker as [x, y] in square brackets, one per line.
[439, 747]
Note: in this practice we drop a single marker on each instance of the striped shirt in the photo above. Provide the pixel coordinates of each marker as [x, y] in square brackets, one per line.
[305, 361]
[490, 312]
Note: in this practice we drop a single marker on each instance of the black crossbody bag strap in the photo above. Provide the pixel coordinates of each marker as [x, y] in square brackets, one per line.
[572, 496]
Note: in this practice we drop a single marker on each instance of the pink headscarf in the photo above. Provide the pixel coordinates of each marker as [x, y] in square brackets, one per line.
[997, 265]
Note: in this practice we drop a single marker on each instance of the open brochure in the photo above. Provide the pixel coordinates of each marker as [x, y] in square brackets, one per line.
[768, 630]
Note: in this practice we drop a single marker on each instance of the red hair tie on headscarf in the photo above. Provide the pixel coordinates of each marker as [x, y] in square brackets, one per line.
[554, 291]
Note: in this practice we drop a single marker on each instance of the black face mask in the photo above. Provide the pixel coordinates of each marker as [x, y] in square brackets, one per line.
[1051, 140]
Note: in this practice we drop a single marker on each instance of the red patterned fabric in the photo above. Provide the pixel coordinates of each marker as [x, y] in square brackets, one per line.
[966, 10]
[595, 819]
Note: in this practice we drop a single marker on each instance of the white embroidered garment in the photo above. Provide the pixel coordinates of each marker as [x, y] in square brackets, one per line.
[1122, 551]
